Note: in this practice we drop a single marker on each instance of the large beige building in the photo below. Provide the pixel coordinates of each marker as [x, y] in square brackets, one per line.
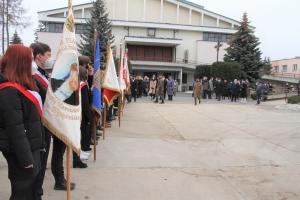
[289, 68]
[162, 36]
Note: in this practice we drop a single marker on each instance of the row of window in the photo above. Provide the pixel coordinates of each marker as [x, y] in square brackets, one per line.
[151, 32]
[58, 28]
[215, 37]
[285, 68]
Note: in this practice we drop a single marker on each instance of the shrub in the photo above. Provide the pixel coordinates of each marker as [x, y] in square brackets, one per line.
[294, 100]
[224, 70]
[253, 96]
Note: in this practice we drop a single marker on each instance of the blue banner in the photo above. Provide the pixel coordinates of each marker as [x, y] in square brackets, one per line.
[97, 98]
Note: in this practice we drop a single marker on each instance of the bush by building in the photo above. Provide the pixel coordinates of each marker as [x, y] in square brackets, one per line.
[294, 100]
[224, 70]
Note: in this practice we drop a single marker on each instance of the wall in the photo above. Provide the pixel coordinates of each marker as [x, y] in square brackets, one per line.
[209, 21]
[153, 11]
[170, 13]
[207, 53]
[135, 10]
[196, 18]
[189, 42]
[53, 40]
[184, 15]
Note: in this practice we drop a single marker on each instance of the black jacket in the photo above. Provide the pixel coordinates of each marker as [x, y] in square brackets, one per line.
[21, 129]
[42, 89]
[85, 104]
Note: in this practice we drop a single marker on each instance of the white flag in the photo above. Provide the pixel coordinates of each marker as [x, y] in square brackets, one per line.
[110, 85]
[62, 109]
[121, 72]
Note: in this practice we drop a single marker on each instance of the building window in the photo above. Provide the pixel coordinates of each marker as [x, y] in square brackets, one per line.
[215, 37]
[55, 27]
[151, 32]
[284, 68]
[80, 28]
[295, 68]
[276, 69]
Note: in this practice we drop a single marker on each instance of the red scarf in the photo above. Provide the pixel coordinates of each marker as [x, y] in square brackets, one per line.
[82, 84]
[26, 93]
[41, 80]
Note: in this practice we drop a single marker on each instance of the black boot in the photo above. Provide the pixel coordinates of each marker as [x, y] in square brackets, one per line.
[61, 184]
[79, 164]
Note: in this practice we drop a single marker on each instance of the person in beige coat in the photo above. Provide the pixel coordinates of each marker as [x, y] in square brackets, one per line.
[197, 91]
[152, 87]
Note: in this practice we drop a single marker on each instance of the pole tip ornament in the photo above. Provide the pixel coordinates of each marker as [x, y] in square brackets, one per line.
[70, 3]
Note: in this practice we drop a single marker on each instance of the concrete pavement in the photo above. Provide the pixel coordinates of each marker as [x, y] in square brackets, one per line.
[178, 151]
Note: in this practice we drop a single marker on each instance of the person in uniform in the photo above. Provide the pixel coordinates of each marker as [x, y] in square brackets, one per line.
[41, 56]
[197, 91]
[160, 90]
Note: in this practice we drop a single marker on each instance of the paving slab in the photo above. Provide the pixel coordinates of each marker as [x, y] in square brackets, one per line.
[178, 151]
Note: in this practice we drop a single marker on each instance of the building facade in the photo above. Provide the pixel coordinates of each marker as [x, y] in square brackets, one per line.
[289, 68]
[170, 37]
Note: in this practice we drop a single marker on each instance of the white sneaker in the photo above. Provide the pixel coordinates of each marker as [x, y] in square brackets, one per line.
[85, 153]
[83, 156]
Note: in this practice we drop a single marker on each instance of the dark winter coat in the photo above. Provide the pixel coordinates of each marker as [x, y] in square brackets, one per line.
[236, 89]
[21, 131]
[85, 104]
[244, 90]
[219, 87]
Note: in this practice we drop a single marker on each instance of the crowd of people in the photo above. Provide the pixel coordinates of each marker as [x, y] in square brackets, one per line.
[24, 141]
[221, 89]
[158, 88]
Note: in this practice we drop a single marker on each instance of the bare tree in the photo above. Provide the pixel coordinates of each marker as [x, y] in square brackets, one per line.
[13, 15]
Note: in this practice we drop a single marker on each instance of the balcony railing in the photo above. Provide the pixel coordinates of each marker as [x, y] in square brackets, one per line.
[286, 74]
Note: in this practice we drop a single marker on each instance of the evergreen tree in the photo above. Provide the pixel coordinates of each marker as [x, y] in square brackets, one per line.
[98, 22]
[244, 49]
[16, 39]
[267, 67]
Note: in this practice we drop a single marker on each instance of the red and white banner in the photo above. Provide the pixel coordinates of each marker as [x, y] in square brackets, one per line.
[110, 85]
[126, 70]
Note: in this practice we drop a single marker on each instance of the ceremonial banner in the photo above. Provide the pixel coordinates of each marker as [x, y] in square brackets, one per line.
[97, 100]
[121, 71]
[62, 109]
[126, 70]
[111, 88]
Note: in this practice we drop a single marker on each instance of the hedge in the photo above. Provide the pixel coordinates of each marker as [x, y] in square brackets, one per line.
[294, 100]
[224, 70]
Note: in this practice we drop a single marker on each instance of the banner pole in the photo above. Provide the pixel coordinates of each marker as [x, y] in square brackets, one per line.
[104, 126]
[68, 174]
[119, 110]
[95, 137]
[123, 102]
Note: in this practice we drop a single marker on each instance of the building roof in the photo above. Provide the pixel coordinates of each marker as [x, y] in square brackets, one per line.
[191, 4]
[83, 4]
[297, 57]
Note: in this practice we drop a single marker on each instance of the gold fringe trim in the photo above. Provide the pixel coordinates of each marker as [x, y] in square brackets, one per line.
[61, 136]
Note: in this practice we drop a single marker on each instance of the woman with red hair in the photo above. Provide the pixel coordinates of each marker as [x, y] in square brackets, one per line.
[21, 132]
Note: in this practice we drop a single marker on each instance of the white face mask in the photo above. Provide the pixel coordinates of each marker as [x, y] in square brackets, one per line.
[34, 68]
[49, 63]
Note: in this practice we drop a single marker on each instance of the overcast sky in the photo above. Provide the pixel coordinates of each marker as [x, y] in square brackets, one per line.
[277, 22]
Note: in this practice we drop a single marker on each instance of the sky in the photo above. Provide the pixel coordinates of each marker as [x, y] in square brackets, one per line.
[277, 22]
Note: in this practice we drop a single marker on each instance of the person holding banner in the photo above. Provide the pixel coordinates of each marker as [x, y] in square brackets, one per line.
[41, 57]
[21, 130]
